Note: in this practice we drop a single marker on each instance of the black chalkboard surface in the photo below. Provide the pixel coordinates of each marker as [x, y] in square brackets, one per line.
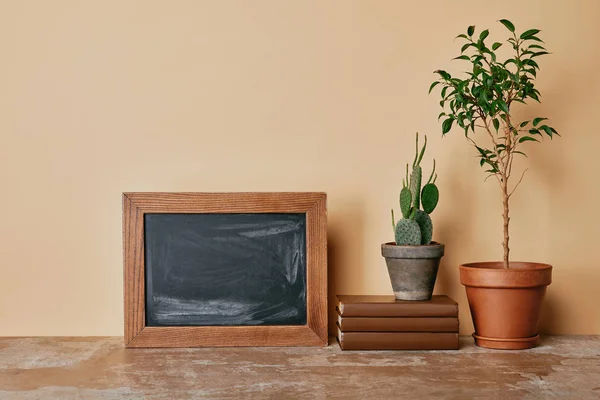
[225, 269]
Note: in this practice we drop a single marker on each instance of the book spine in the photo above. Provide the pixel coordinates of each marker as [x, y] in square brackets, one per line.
[397, 310]
[397, 341]
[397, 324]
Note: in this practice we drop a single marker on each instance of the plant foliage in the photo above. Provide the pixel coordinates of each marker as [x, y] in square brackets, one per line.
[482, 99]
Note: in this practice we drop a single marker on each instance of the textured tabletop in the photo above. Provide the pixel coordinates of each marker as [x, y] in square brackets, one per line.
[100, 368]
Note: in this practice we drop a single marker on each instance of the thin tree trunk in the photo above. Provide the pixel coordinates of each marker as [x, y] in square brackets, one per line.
[506, 218]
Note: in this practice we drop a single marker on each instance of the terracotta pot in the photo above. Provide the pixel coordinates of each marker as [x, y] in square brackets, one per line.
[505, 303]
[412, 269]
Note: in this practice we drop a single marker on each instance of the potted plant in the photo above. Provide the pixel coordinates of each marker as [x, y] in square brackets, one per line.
[505, 297]
[413, 259]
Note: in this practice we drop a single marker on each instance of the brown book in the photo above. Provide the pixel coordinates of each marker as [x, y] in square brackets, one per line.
[397, 341]
[388, 306]
[400, 324]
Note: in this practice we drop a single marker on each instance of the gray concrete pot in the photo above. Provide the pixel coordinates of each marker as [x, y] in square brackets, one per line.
[412, 269]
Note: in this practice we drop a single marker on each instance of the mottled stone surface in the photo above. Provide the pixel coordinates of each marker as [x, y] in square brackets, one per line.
[100, 368]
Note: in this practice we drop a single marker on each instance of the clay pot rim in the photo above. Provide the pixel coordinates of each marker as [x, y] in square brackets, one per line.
[423, 251]
[492, 274]
[432, 244]
[521, 266]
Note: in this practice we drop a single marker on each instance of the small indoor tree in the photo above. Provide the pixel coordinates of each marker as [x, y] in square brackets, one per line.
[482, 100]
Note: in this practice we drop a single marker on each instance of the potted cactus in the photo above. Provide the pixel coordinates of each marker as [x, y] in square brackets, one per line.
[413, 259]
[505, 296]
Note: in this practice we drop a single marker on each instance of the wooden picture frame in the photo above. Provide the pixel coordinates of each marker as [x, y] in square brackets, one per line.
[137, 334]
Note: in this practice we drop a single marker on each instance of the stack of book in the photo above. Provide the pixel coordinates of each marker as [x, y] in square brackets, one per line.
[384, 323]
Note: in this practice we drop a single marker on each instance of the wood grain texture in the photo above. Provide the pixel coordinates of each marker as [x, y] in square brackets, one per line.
[262, 202]
[226, 336]
[314, 333]
[133, 271]
[316, 243]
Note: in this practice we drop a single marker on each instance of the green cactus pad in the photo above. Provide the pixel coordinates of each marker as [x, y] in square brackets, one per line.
[425, 226]
[429, 197]
[416, 227]
[408, 233]
[405, 201]
[415, 186]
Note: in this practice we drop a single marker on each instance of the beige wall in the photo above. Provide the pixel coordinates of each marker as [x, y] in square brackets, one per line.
[101, 97]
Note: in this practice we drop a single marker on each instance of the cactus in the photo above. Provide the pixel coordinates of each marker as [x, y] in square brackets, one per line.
[416, 228]
[408, 233]
[415, 176]
[425, 225]
[405, 202]
[430, 193]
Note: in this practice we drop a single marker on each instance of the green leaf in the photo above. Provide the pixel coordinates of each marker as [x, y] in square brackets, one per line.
[471, 30]
[434, 84]
[535, 38]
[476, 60]
[443, 74]
[536, 121]
[465, 46]
[441, 115]
[509, 25]
[547, 129]
[462, 58]
[492, 164]
[484, 34]
[529, 33]
[536, 46]
[483, 97]
[496, 45]
[539, 53]
[481, 151]
[447, 125]
[534, 132]
[520, 152]
[529, 61]
[496, 124]
[462, 35]
[502, 106]
[524, 123]
[527, 139]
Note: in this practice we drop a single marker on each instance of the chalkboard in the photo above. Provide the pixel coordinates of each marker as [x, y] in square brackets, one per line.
[225, 269]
